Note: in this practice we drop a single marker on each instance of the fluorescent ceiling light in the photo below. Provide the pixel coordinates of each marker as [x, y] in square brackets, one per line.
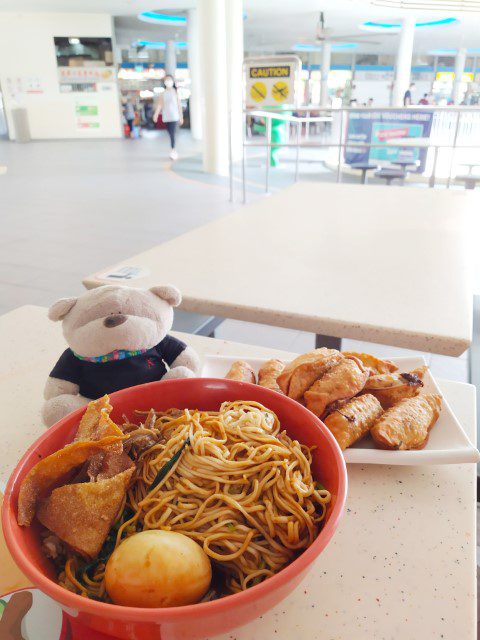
[451, 52]
[74, 40]
[149, 44]
[162, 18]
[398, 25]
[430, 5]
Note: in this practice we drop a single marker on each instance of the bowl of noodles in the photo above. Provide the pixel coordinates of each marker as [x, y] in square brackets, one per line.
[256, 481]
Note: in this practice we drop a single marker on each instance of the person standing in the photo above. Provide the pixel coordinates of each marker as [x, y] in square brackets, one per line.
[424, 100]
[407, 98]
[170, 107]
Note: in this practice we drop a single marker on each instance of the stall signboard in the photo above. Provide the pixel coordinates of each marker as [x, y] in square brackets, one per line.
[271, 81]
[377, 127]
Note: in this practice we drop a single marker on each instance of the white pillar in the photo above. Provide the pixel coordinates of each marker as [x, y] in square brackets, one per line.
[196, 84]
[326, 56]
[460, 60]
[234, 31]
[403, 65]
[170, 58]
[213, 45]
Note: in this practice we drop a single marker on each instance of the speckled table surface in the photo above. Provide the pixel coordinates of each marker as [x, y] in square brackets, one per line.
[402, 564]
[371, 263]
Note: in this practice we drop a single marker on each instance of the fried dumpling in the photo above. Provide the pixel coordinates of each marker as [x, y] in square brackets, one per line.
[376, 365]
[341, 382]
[81, 514]
[268, 374]
[408, 423]
[241, 371]
[351, 420]
[301, 373]
[390, 388]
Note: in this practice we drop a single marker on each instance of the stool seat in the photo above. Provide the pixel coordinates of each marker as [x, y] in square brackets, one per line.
[388, 174]
[363, 167]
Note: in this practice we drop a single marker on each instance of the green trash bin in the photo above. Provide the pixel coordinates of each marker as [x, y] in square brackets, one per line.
[278, 134]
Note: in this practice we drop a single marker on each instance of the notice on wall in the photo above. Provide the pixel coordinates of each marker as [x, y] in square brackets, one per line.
[271, 81]
[377, 127]
[87, 116]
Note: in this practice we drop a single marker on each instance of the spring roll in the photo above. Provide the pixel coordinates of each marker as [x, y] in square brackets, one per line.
[407, 425]
[352, 419]
[242, 371]
[342, 382]
[268, 374]
[390, 388]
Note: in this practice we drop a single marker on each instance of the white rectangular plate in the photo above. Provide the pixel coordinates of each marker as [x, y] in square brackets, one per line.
[448, 443]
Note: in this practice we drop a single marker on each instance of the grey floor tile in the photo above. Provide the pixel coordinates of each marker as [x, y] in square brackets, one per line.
[449, 368]
[251, 333]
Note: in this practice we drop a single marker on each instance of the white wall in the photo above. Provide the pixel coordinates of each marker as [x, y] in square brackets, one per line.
[27, 53]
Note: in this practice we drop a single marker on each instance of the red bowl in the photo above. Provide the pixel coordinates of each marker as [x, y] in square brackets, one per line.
[198, 620]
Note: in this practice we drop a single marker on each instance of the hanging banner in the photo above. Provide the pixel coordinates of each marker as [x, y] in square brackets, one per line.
[376, 127]
[271, 81]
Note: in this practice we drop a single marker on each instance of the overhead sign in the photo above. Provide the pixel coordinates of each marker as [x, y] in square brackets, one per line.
[271, 81]
[449, 76]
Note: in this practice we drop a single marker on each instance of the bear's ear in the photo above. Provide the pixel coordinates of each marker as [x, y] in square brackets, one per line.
[169, 293]
[60, 308]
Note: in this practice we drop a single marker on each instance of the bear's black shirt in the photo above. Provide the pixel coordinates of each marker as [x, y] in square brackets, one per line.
[95, 379]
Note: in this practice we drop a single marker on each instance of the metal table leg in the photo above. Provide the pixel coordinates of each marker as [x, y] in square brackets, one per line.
[328, 341]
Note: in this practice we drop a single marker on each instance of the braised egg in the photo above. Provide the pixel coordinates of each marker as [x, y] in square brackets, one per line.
[158, 569]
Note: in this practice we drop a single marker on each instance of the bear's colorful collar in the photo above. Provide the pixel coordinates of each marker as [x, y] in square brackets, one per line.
[118, 354]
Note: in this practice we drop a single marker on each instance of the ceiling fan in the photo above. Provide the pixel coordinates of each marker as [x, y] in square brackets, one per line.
[325, 34]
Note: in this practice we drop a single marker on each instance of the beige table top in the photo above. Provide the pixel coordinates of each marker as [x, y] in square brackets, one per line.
[402, 564]
[383, 264]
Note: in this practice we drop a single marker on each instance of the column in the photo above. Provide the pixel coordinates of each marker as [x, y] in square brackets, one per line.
[460, 60]
[403, 64]
[326, 56]
[196, 85]
[170, 58]
[234, 31]
[213, 45]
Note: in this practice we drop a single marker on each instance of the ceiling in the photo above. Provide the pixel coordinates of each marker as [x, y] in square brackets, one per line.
[275, 25]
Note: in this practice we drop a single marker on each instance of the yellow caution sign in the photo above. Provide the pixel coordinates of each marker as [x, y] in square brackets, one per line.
[258, 91]
[280, 91]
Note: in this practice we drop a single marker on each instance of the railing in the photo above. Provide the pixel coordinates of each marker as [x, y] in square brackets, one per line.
[452, 128]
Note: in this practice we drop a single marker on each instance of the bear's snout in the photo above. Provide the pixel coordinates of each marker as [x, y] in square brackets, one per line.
[114, 321]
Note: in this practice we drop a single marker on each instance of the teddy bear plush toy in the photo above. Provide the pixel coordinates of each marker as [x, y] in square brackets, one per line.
[117, 338]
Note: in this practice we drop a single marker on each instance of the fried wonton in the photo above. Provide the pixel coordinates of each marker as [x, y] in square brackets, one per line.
[351, 420]
[375, 365]
[390, 388]
[268, 374]
[408, 423]
[301, 373]
[341, 382]
[57, 468]
[82, 514]
[91, 418]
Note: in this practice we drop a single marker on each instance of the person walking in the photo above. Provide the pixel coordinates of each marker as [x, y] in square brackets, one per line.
[170, 107]
[129, 113]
